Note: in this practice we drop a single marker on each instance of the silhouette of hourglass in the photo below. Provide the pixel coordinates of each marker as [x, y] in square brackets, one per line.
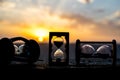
[58, 48]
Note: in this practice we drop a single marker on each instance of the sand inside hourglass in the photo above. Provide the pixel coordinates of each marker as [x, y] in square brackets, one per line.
[59, 54]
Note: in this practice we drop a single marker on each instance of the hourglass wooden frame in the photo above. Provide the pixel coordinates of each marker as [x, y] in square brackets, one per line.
[78, 53]
[59, 34]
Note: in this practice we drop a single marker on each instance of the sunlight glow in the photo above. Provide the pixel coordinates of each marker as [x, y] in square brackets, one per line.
[41, 39]
[41, 34]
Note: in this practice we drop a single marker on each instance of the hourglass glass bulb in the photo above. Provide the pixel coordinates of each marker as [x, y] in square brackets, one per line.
[59, 54]
[58, 42]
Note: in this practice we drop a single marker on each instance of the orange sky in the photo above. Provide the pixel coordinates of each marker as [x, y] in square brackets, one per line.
[35, 22]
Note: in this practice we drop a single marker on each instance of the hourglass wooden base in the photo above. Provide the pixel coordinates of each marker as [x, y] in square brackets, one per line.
[58, 57]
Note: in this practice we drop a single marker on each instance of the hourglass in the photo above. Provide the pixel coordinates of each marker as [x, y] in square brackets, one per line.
[58, 48]
[95, 53]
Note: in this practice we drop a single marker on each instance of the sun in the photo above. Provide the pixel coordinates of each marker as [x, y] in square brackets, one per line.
[41, 34]
[40, 39]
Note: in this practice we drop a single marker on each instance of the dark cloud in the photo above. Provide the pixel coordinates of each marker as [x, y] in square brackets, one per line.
[1, 1]
[99, 10]
[107, 30]
[85, 1]
[79, 19]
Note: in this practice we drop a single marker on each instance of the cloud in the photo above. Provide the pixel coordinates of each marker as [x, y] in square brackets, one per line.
[108, 32]
[117, 14]
[99, 10]
[114, 15]
[26, 15]
[111, 26]
[74, 23]
[43, 18]
[78, 25]
[113, 18]
[107, 29]
[85, 1]
[77, 18]
[34, 16]
[7, 4]
[95, 30]
[1, 1]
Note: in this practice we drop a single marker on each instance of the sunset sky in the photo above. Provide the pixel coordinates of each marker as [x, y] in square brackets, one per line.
[88, 20]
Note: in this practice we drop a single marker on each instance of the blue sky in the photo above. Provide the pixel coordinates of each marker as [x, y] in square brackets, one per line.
[98, 19]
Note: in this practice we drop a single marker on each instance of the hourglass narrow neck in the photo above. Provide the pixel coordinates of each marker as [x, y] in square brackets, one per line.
[58, 43]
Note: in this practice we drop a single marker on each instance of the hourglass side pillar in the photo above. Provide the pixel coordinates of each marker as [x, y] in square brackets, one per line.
[67, 48]
[50, 50]
[77, 52]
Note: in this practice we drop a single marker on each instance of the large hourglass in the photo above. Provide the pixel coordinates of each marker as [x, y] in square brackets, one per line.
[58, 48]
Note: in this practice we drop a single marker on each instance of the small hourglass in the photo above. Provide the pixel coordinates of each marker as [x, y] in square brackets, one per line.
[58, 48]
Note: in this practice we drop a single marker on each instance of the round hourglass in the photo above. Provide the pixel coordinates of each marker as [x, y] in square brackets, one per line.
[58, 48]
